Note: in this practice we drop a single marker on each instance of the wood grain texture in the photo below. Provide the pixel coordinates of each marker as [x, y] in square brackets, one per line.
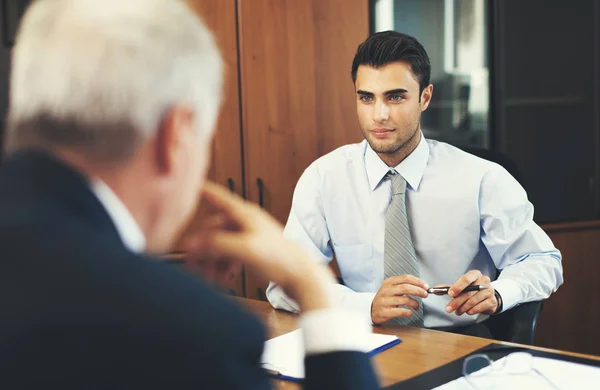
[298, 102]
[421, 350]
[226, 160]
[570, 318]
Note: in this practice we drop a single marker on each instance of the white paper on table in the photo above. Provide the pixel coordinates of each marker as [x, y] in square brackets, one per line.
[284, 355]
[562, 374]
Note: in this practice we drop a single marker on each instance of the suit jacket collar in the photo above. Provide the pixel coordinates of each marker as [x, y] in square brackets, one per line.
[31, 177]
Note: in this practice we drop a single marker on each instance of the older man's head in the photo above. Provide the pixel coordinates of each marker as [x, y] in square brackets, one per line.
[124, 90]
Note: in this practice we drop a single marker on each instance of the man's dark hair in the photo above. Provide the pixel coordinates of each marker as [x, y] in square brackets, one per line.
[386, 47]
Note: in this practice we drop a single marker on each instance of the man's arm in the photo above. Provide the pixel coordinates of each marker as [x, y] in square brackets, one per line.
[250, 236]
[530, 266]
[307, 227]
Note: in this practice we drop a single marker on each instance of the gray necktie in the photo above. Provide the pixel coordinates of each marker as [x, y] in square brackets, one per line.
[399, 254]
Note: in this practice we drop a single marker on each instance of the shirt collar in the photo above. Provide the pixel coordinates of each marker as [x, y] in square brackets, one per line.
[126, 226]
[411, 168]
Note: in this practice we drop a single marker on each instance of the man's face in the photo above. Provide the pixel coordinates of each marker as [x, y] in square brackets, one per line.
[194, 175]
[388, 105]
[182, 162]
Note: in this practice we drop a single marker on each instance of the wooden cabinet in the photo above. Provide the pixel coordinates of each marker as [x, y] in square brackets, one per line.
[226, 164]
[288, 75]
[226, 168]
[297, 94]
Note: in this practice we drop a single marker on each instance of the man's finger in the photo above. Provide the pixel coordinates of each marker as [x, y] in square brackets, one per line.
[464, 281]
[217, 222]
[224, 201]
[485, 306]
[407, 289]
[212, 223]
[223, 245]
[473, 301]
[394, 312]
[458, 301]
[401, 301]
[407, 279]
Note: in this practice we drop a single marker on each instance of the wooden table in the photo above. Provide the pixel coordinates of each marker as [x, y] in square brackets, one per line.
[421, 350]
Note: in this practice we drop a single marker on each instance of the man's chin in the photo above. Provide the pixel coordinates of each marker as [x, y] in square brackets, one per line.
[383, 146]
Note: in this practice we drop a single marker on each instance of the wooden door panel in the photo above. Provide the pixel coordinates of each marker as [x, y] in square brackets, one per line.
[297, 94]
[226, 159]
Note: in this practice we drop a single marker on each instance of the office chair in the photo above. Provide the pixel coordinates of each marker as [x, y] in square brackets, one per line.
[518, 324]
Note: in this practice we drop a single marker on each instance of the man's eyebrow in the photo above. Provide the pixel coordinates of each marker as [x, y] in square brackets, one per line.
[395, 91]
[386, 93]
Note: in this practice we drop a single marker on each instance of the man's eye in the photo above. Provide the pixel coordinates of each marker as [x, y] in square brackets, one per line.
[396, 98]
[365, 98]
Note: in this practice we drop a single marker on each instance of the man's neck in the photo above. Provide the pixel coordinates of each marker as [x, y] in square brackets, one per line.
[132, 236]
[119, 181]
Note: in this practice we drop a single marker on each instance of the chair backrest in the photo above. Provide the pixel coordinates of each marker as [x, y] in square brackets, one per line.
[516, 325]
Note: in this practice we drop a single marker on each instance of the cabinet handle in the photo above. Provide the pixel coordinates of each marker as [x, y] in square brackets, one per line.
[260, 185]
[231, 184]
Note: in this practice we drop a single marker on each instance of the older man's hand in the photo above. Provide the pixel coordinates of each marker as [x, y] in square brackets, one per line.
[243, 233]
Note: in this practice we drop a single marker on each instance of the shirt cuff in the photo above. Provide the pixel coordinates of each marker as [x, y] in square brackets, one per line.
[332, 330]
[510, 293]
[358, 302]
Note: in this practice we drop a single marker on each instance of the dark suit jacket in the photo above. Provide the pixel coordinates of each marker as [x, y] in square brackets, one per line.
[78, 310]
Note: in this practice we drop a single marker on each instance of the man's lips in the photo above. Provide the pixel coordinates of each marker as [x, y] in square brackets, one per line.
[382, 130]
[381, 133]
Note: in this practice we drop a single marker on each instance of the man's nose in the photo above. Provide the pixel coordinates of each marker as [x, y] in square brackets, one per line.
[381, 112]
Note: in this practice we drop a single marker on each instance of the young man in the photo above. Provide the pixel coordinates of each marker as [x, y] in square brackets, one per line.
[112, 109]
[402, 213]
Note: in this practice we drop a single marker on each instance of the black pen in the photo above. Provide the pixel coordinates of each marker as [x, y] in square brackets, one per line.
[444, 290]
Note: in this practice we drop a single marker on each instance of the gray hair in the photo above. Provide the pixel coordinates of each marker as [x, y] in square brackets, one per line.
[97, 76]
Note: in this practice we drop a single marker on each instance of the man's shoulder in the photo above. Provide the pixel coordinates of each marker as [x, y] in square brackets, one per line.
[100, 271]
[140, 318]
[452, 157]
[445, 150]
[474, 168]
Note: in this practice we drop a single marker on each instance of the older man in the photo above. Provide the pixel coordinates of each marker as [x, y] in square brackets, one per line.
[113, 105]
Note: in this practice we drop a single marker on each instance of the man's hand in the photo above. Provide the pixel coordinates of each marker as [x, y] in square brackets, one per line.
[394, 293]
[474, 302]
[243, 233]
[215, 269]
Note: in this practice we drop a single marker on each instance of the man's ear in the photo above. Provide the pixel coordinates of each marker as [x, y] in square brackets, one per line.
[426, 97]
[173, 134]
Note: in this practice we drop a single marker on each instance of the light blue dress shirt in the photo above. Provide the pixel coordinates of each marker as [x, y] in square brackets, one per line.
[464, 212]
